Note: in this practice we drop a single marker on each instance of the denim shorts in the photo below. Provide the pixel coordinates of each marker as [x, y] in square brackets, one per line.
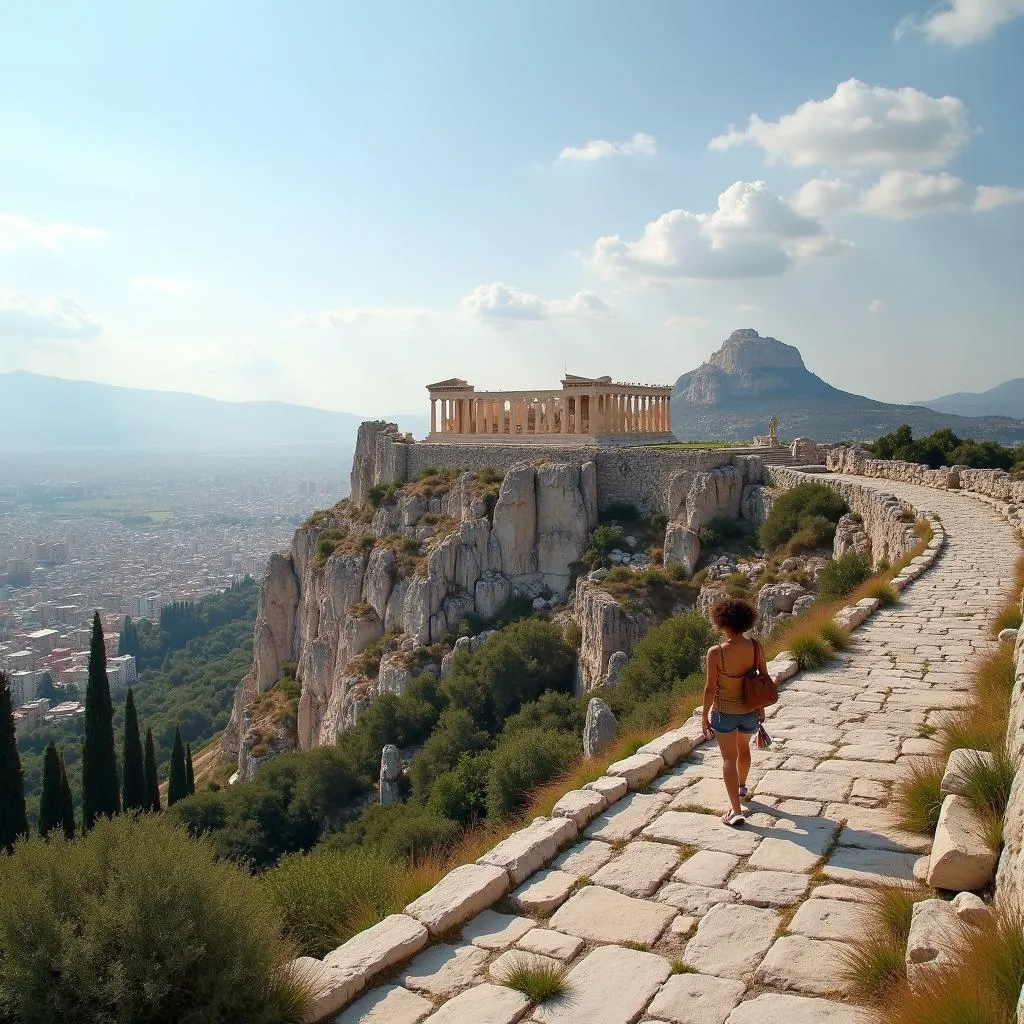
[725, 723]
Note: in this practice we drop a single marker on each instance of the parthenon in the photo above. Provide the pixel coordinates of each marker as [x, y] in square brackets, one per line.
[588, 410]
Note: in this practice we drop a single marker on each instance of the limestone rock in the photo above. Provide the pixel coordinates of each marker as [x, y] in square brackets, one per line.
[444, 970]
[582, 805]
[612, 789]
[812, 966]
[463, 892]
[961, 858]
[601, 727]
[958, 766]
[544, 892]
[682, 547]
[602, 915]
[562, 522]
[696, 999]
[1007, 635]
[491, 930]
[530, 848]
[388, 1004]
[616, 663]
[774, 1008]
[851, 536]
[774, 600]
[329, 988]
[483, 1004]
[730, 940]
[637, 770]
[379, 947]
[639, 869]
[932, 926]
[552, 944]
[390, 772]
[515, 521]
[971, 908]
[491, 593]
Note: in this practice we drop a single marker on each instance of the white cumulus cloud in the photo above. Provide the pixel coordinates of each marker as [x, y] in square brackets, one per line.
[752, 233]
[641, 144]
[26, 318]
[861, 126]
[162, 285]
[988, 197]
[501, 303]
[16, 231]
[820, 197]
[901, 194]
[960, 22]
[350, 316]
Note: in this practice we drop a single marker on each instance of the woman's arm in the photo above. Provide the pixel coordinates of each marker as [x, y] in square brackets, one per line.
[710, 682]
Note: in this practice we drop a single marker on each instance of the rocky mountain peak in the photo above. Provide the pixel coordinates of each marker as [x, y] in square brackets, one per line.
[745, 349]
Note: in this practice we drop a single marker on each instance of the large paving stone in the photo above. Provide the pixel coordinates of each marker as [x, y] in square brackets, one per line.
[705, 831]
[850, 893]
[532, 847]
[582, 805]
[730, 940]
[626, 818]
[961, 858]
[610, 985]
[770, 888]
[880, 771]
[551, 943]
[840, 920]
[444, 970]
[773, 1008]
[807, 965]
[792, 849]
[639, 869]
[603, 915]
[821, 785]
[706, 867]
[381, 946]
[611, 789]
[869, 752]
[696, 999]
[329, 988]
[637, 770]
[483, 1004]
[873, 828]
[389, 1004]
[463, 892]
[694, 900]
[708, 792]
[870, 867]
[490, 930]
[544, 892]
[583, 859]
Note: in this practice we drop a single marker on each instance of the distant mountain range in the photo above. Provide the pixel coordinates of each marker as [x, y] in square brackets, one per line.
[751, 378]
[47, 413]
[1005, 399]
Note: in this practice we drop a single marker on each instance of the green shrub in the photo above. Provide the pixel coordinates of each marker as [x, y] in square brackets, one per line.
[706, 536]
[490, 475]
[811, 652]
[667, 654]
[324, 897]
[460, 794]
[138, 922]
[521, 763]
[796, 508]
[404, 831]
[604, 539]
[815, 532]
[843, 575]
[456, 734]
[378, 494]
[560, 712]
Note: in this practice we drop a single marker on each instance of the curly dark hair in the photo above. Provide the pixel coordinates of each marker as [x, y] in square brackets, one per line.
[734, 613]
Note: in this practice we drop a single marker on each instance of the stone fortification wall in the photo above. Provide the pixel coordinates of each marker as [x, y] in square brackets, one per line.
[653, 479]
[1010, 878]
[990, 483]
[887, 522]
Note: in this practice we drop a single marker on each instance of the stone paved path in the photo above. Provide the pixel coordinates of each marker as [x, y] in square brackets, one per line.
[758, 915]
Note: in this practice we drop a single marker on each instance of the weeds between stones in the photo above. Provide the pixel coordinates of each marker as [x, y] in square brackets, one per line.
[918, 796]
[987, 783]
[538, 982]
[682, 967]
[835, 636]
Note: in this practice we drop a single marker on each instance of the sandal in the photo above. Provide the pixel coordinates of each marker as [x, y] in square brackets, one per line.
[733, 820]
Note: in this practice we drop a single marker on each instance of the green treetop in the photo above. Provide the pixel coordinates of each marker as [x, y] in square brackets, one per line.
[13, 822]
[177, 780]
[100, 796]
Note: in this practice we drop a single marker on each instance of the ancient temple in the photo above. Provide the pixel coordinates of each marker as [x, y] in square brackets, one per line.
[588, 410]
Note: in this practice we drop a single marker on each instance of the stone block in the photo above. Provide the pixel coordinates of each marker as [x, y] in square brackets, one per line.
[550, 943]
[582, 805]
[626, 818]
[840, 920]
[730, 940]
[639, 869]
[329, 988]
[694, 900]
[958, 766]
[870, 867]
[775, 1008]
[531, 848]
[463, 892]
[379, 947]
[544, 893]
[704, 831]
[825, 786]
[389, 1004]
[483, 1004]
[637, 770]
[961, 858]
[610, 985]
[611, 789]
[584, 858]
[932, 926]
[600, 728]
[490, 930]
[444, 970]
[673, 746]
[770, 888]
[971, 909]
[696, 999]
[603, 915]
[706, 867]
[811, 966]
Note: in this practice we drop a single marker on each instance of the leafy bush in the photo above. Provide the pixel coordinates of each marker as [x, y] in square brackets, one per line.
[326, 896]
[943, 448]
[605, 538]
[405, 832]
[706, 536]
[843, 575]
[667, 654]
[461, 793]
[138, 922]
[522, 762]
[815, 532]
[796, 508]
[380, 494]
[456, 734]
[561, 712]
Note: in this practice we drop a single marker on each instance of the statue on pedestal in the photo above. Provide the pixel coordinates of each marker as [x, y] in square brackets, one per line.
[773, 431]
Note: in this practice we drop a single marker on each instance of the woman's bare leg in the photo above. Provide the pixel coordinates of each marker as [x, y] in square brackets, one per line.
[729, 744]
[742, 757]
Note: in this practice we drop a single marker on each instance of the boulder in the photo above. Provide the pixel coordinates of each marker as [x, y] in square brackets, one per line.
[932, 926]
[616, 663]
[682, 546]
[390, 772]
[491, 594]
[601, 727]
[958, 766]
[961, 858]
[971, 908]
[1008, 634]
[515, 520]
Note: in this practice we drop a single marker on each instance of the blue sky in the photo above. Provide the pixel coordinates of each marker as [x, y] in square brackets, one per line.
[337, 203]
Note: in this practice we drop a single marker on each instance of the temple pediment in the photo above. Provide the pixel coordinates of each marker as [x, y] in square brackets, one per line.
[452, 384]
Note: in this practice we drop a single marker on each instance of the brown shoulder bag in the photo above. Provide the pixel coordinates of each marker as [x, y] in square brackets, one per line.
[759, 690]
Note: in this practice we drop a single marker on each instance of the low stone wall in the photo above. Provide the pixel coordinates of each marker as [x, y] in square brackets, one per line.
[991, 483]
[888, 524]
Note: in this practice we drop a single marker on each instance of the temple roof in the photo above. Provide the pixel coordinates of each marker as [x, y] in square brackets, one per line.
[452, 382]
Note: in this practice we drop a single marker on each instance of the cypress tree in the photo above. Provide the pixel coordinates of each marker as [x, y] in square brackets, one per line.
[99, 761]
[13, 822]
[152, 779]
[51, 811]
[190, 774]
[177, 780]
[67, 803]
[134, 796]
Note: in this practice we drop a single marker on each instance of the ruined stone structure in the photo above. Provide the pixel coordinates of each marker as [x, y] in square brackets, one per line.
[588, 410]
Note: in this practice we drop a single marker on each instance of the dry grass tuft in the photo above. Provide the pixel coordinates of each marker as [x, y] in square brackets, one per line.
[538, 982]
[917, 798]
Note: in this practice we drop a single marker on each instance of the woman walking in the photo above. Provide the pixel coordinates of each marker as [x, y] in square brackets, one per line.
[726, 717]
